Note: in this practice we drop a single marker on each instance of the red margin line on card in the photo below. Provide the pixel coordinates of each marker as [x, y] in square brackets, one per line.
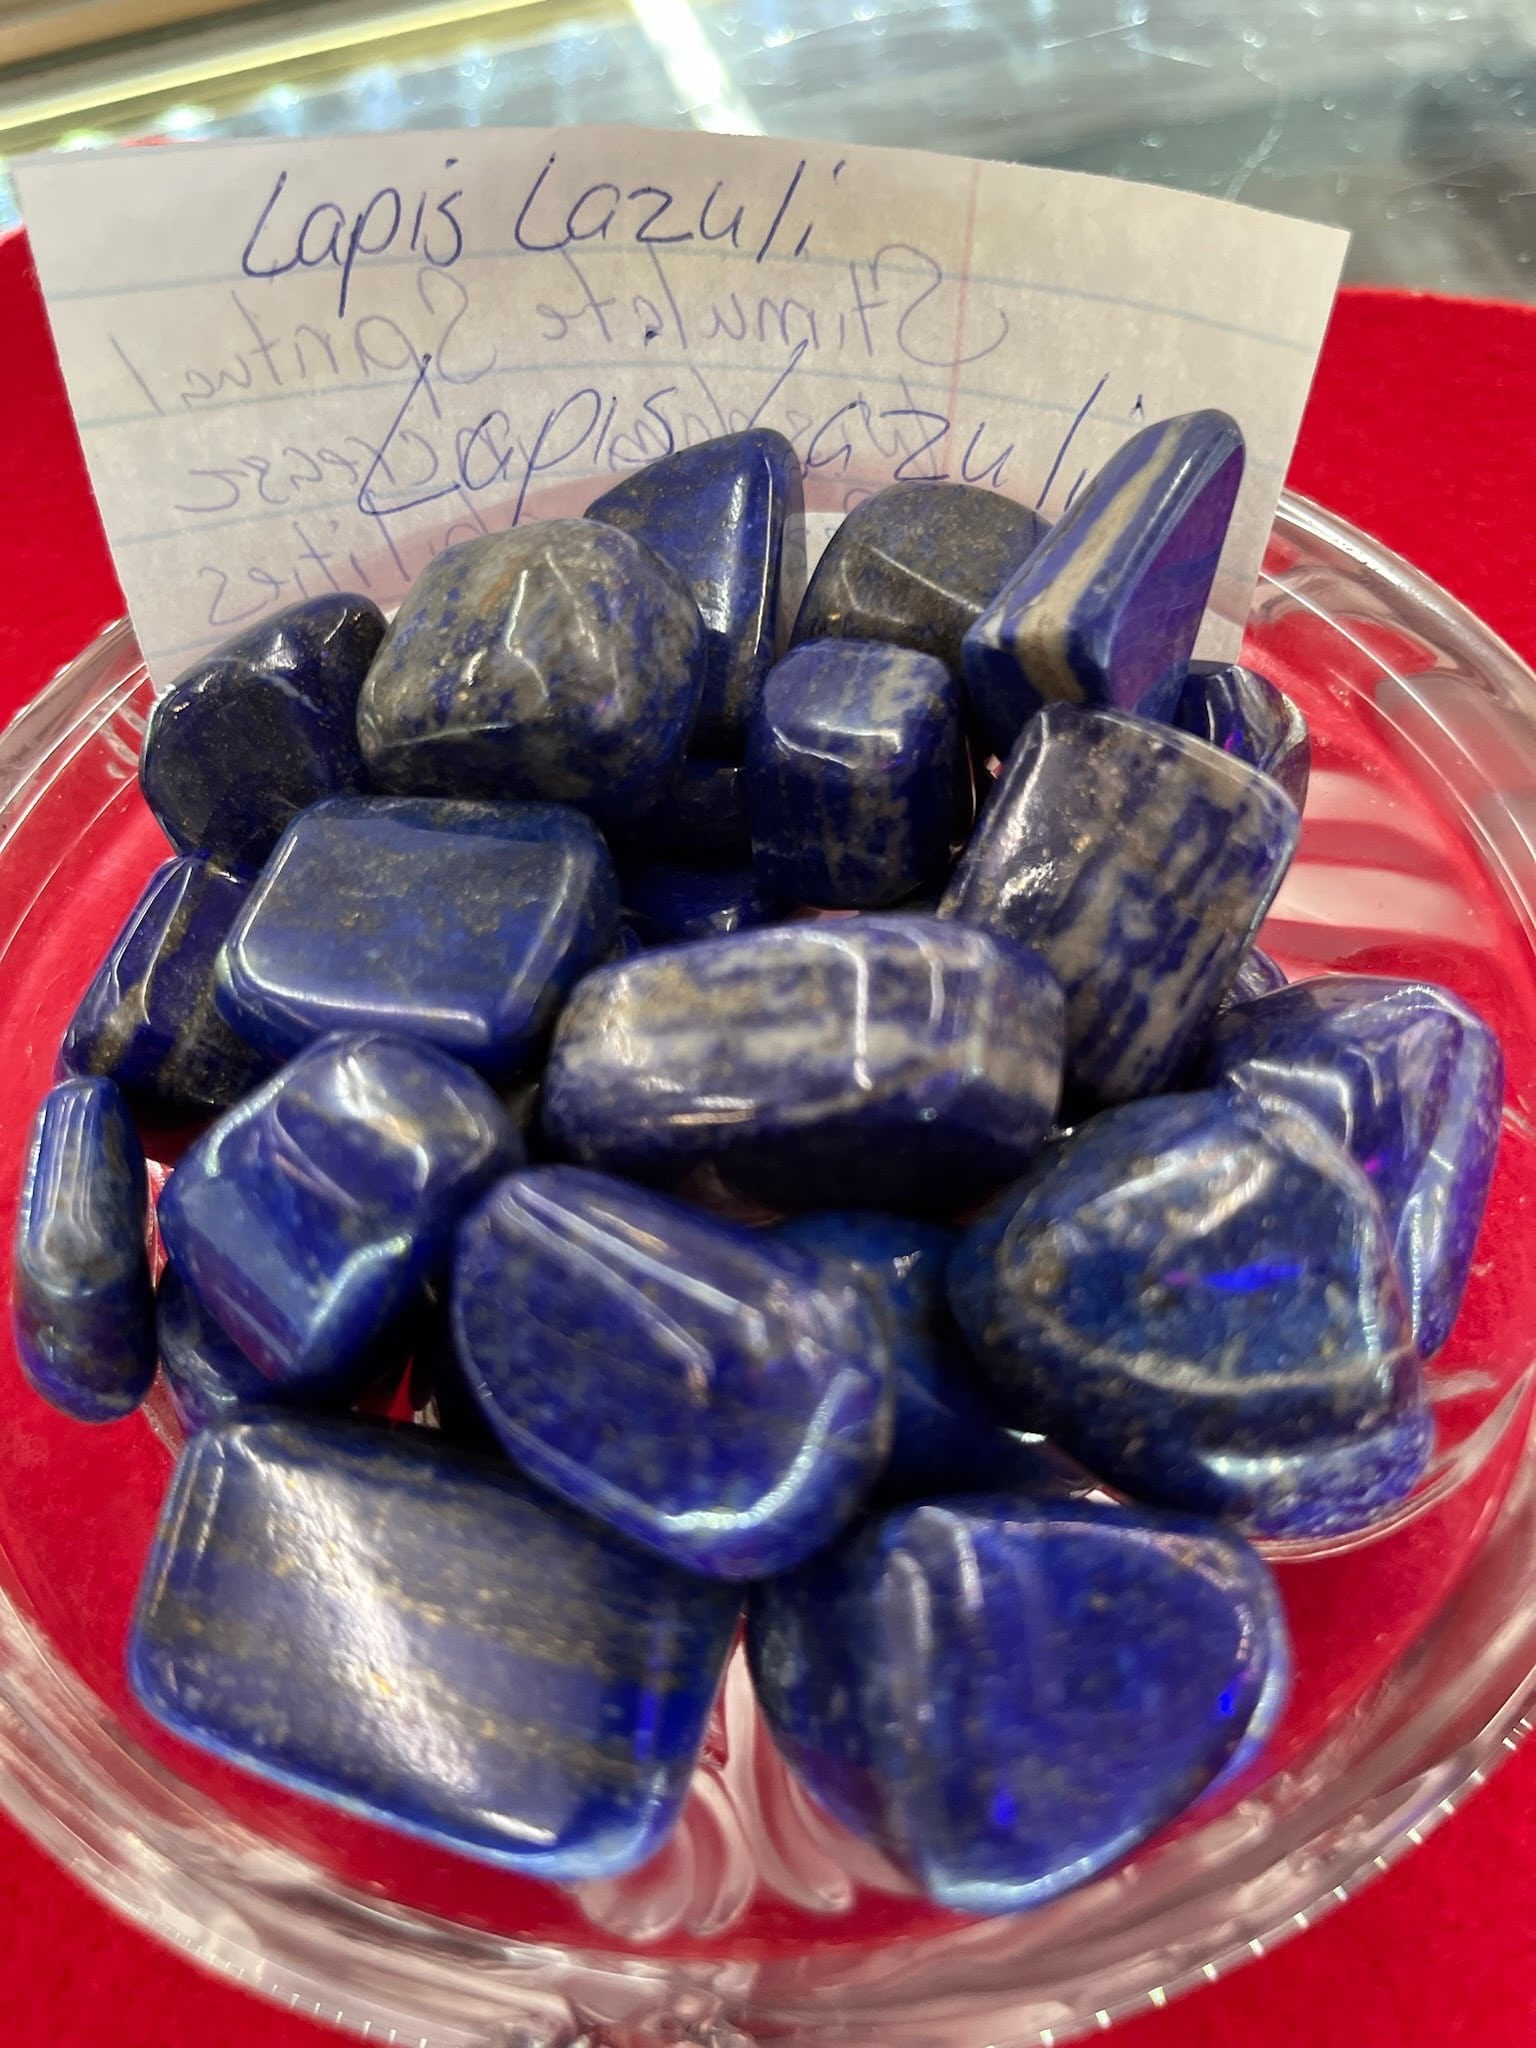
[960, 312]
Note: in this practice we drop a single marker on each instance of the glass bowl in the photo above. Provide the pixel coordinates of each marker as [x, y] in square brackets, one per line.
[1416, 1643]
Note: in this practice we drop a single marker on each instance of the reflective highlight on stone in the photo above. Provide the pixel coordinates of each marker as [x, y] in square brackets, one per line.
[306, 1219]
[711, 1394]
[898, 1060]
[371, 1617]
[1257, 975]
[261, 729]
[1009, 1695]
[1408, 1080]
[916, 565]
[666, 903]
[149, 1019]
[1139, 862]
[1106, 608]
[463, 924]
[82, 1307]
[208, 1376]
[1196, 1296]
[1242, 712]
[560, 660]
[858, 780]
[716, 513]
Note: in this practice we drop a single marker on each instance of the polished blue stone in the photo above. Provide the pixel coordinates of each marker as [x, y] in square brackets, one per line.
[948, 1437]
[916, 565]
[1105, 610]
[1408, 1080]
[209, 1377]
[717, 514]
[307, 1218]
[713, 1395]
[1196, 1296]
[372, 1617]
[560, 660]
[666, 903]
[82, 1304]
[1257, 975]
[1139, 862]
[1008, 1694]
[460, 923]
[261, 729]
[702, 817]
[858, 779]
[149, 1019]
[898, 1061]
[1240, 711]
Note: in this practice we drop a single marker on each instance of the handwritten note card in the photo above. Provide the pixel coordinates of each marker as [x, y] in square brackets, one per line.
[301, 366]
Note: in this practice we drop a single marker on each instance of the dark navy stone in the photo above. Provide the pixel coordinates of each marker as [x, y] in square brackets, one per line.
[1140, 863]
[1106, 609]
[1242, 712]
[1007, 1695]
[716, 513]
[892, 1060]
[209, 1377]
[1408, 1080]
[374, 1618]
[1196, 1296]
[948, 1435]
[916, 565]
[463, 924]
[149, 1019]
[703, 816]
[307, 1218]
[668, 904]
[82, 1304]
[1257, 975]
[261, 729]
[858, 779]
[713, 1395]
[561, 660]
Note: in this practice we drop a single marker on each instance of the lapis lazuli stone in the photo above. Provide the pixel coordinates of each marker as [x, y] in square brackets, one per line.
[717, 513]
[1408, 1080]
[149, 1019]
[372, 1617]
[83, 1307]
[858, 780]
[261, 729]
[894, 1060]
[307, 1218]
[1008, 1694]
[668, 904]
[1240, 711]
[916, 565]
[1139, 862]
[703, 816]
[1257, 975]
[948, 1435]
[1106, 608]
[209, 1377]
[1196, 1296]
[558, 661]
[713, 1395]
[460, 923]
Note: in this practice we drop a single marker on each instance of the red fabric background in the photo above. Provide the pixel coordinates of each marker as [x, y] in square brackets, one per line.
[1421, 430]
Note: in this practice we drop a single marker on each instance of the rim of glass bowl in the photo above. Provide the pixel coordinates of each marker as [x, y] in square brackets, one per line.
[1432, 1728]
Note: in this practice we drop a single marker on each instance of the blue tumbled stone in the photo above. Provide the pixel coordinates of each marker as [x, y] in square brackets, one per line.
[716, 513]
[558, 661]
[82, 1305]
[1196, 1296]
[1107, 607]
[1008, 1695]
[858, 781]
[715, 1396]
[463, 924]
[1139, 862]
[916, 565]
[1257, 975]
[261, 729]
[898, 1061]
[703, 816]
[376, 1619]
[666, 903]
[209, 1377]
[1411, 1082]
[149, 1019]
[1240, 711]
[306, 1219]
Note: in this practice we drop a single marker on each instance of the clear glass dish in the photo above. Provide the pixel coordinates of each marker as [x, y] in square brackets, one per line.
[761, 1922]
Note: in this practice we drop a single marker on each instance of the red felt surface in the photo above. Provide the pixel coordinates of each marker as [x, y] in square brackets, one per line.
[1421, 428]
